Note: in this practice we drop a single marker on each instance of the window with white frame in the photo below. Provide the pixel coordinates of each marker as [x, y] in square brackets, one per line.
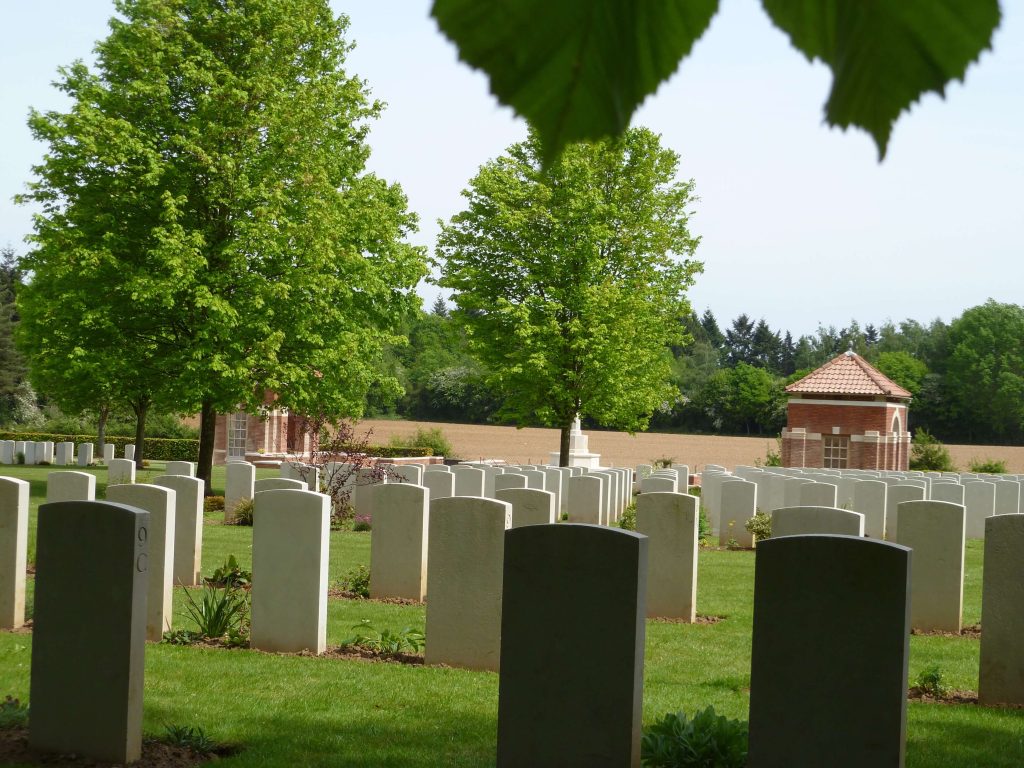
[835, 451]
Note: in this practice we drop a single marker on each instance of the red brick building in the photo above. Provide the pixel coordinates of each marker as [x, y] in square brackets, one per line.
[846, 415]
[272, 434]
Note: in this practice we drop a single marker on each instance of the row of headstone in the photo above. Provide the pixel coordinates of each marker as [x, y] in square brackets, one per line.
[31, 452]
[57, 454]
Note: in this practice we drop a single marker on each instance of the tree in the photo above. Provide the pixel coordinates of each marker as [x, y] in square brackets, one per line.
[744, 398]
[985, 371]
[578, 69]
[567, 280]
[903, 368]
[208, 190]
[12, 365]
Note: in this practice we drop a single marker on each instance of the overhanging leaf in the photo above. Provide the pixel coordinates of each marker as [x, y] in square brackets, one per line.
[575, 69]
[884, 54]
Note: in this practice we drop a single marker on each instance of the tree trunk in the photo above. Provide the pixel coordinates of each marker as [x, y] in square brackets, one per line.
[101, 428]
[141, 407]
[207, 435]
[563, 448]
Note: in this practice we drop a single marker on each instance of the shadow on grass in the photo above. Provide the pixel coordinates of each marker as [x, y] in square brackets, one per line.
[941, 736]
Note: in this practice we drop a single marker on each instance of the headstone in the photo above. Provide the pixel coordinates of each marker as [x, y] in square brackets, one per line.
[658, 485]
[1007, 500]
[585, 503]
[184, 468]
[290, 535]
[437, 468]
[30, 453]
[571, 695]
[818, 495]
[935, 531]
[108, 453]
[160, 504]
[951, 492]
[366, 481]
[844, 492]
[606, 494]
[896, 495]
[14, 497]
[642, 471]
[869, 498]
[120, 471]
[802, 521]
[509, 480]
[65, 453]
[553, 481]
[129, 452]
[469, 481]
[188, 527]
[831, 614]
[466, 545]
[6, 451]
[70, 486]
[1001, 679]
[398, 543]
[530, 506]
[980, 501]
[278, 484]
[408, 473]
[239, 486]
[793, 490]
[440, 484]
[90, 596]
[670, 521]
[85, 454]
[534, 479]
[739, 503]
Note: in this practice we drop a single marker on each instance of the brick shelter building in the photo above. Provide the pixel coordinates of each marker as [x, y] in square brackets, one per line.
[272, 434]
[846, 415]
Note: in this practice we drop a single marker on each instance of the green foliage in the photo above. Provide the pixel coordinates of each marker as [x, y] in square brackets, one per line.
[356, 582]
[578, 71]
[987, 466]
[157, 449]
[219, 612]
[189, 736]
[703, 524]
[213, 504]
[744, 399]
[570, 281]
[904, 369]
[931, 683]
[928, 454]
[19, 457]
[708, 740]
[432, 439]
[772, 456]
[664, 462]
[242, 513]
[384, 642]
[760, 526]
[230, 575]
[628, 519]
[181, 637]
[13, 713]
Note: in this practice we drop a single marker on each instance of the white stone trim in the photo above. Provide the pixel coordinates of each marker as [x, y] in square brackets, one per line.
[862, 403]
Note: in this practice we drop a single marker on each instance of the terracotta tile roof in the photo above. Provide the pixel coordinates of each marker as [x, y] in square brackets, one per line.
[848, 374]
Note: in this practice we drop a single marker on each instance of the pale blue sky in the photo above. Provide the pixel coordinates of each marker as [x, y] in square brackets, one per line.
[800, 224]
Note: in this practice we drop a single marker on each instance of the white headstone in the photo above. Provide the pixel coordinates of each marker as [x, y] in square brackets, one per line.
[530, 506]
[935, 531]
[818, 495]
[129, 452]
[896, 495]
[980, 501]
[185, 468]
[469, 481]
[670, 521]
[188, 527]
[739, 503]
[869, 498]
[278, 484]
[408, 473]
[120, 471]
[801, 521]
[240, 477]
[440, 484]
[85, 454]
[14, 497]
[6, 451]
[398, 543]
[70, 486]
[65, 453]
[108, 453]
[585, 501]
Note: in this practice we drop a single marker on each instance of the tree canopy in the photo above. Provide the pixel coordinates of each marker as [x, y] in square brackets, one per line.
[579, 69]
[571, 279]
[206, 200]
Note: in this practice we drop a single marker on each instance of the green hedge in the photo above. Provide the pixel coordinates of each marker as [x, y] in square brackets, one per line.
[391, 452]
[157, 448]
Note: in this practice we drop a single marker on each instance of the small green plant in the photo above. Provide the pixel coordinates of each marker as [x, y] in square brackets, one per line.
[772, 456]
[709, 740]
[987, 466]
[213, 504]
[13, 713]
[664, 462]
[242, 513]
[181, 637]
[703, 526]
[929, 682]
[19, 457]
[929, 455]
[356, 582]
[219, 611]
[231, 574]
[760, 526]
[628, 520]
[432, 438]
[732, 544]
[384, 642]
[564, 516]
[189, 736]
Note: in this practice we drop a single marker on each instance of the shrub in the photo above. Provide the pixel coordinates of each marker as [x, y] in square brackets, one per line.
[628, 520]
[362, 523]
[242, 513]
[219, 612]
[760, 526]
[433, 438]
[664, 462]
[708, 740]
[19, 457]
[928, 454]
[231, 574]
[987, 466]
[385, 642]
[13, 713]
[929, 682]
[213, 504]
[356, 582]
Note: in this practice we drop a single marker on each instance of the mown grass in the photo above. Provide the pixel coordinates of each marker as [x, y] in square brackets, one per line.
[291, 710]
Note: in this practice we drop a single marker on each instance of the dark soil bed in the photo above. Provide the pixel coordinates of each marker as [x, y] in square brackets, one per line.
[971, 630]
[155, 754]
[701, 619]
[341, 594]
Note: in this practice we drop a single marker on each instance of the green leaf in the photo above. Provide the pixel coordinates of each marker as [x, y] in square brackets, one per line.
[575, 69]
[884, 54]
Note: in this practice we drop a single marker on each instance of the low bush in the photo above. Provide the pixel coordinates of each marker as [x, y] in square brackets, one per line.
[628, 520]
[384, 642]
[708, 740]
[930, 682]
[356, 582]
[13, 713]
[929, 455]
[434, 439]
[362, 523]
[231, 574]
[213, 504]
[242, 513]
[759, 526]
[987, 466]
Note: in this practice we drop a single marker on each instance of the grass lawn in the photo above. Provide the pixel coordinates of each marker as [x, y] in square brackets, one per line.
[290, 710]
